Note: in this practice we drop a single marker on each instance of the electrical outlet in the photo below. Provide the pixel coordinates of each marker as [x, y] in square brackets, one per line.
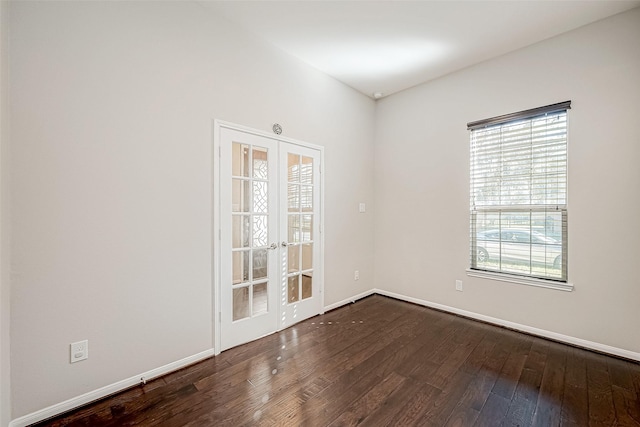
[459, 285]
[356, 275]
[362, 207]
[79, 351]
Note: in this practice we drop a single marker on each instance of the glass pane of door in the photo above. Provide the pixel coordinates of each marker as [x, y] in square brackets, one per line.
[300, 199]
[300, 213]
[250, 230]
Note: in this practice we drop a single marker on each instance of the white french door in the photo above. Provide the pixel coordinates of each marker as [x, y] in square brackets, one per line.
[270, 266]
[300, 233]
[248, 236]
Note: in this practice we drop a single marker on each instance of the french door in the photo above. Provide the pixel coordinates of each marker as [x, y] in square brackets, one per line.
[270, 266]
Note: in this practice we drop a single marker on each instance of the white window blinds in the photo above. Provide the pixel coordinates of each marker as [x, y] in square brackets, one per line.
[519, 193]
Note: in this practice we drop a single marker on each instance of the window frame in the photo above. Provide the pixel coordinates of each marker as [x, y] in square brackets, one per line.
[526, 278]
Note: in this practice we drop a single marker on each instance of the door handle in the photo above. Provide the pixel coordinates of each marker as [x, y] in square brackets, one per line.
[273, 246]
[284, 244]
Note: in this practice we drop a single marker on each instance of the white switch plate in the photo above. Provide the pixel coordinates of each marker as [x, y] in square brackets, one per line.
[362, 208]
[459, 285]
[356, 275]
[79, 351]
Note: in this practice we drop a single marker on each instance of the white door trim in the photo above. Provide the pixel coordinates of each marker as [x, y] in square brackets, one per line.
[218, 125]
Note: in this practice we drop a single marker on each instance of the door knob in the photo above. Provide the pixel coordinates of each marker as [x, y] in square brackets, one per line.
[284, 244]
[273, 246]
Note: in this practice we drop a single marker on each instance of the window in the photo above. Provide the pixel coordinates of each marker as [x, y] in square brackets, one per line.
[518, 206]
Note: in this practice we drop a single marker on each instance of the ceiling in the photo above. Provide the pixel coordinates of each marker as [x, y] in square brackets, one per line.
[386, 46]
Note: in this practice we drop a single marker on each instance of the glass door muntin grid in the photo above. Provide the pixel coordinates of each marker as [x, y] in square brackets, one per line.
[250, 232]
[300, 226]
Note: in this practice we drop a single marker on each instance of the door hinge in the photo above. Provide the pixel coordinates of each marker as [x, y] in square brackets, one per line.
[220, 317]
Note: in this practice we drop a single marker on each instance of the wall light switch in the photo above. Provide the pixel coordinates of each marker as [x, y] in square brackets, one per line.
[459, 285]
[362, 208]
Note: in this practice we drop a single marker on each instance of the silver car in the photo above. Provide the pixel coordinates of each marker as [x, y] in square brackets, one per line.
[518, 246]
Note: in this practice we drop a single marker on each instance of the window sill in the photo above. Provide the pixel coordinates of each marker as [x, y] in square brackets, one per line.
[529, 281]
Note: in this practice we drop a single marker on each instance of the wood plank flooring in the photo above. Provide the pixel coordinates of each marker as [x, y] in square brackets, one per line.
[383, 362]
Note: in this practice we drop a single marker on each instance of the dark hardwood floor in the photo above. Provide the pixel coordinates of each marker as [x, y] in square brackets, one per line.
[384, 362]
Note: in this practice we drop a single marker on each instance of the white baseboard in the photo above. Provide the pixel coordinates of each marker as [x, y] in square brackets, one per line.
[349, 300]
[602, 348]
[92, 396]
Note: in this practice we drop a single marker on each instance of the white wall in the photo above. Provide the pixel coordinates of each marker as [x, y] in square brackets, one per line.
[5, 306]
[422, 183]
[112, 106]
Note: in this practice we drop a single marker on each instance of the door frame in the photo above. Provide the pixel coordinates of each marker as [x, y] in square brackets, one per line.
[216, 252]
